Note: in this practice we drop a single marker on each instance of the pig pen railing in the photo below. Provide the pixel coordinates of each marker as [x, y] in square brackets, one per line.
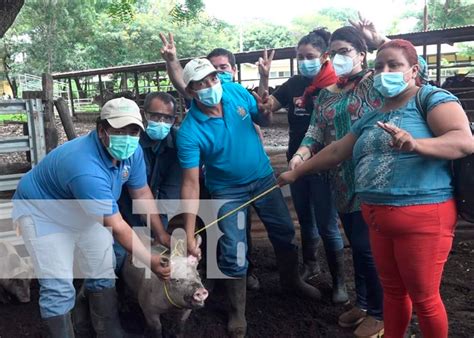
[29, 114]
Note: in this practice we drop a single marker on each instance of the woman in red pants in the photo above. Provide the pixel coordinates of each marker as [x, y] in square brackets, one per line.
[403, 178]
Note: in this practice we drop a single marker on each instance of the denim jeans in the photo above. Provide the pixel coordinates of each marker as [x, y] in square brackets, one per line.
[54, 257]
[369, 294]
[271, 209]
[314, 204]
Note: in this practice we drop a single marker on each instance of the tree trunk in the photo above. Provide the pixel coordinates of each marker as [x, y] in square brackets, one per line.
[9, 9]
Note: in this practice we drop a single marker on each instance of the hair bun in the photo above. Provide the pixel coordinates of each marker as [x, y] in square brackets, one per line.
[323, 33]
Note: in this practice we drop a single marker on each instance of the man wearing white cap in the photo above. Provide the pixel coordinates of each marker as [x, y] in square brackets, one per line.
[62, 207]
[218, 131]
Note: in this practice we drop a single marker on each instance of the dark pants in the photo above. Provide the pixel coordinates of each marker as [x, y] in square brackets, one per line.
[314, 204]
[368, 289]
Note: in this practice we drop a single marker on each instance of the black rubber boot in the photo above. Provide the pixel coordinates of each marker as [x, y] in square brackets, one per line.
[311, 266]
[60, 326]
[236, 290]
[336, 267]
[290, 278]
[103, 308]
[81, 318]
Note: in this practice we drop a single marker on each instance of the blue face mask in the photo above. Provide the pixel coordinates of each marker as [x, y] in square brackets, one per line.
[122, 147]
[342, 64]
[225, 77]
[309, 68]
[390, 84]
[210, 96]
[158, 130]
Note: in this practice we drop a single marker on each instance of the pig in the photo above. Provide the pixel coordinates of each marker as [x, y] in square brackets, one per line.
[176, 297]
[15, 275]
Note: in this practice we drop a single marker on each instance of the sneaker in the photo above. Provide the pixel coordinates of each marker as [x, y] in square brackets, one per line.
[253, 284]
[352, 318]
[370, 328]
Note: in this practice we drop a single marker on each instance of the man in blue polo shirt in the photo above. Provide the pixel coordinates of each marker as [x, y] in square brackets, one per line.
[62, 207]
[218, 131]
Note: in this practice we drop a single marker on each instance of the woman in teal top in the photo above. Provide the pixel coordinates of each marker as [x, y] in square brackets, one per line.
[336, 108]
[402, 177]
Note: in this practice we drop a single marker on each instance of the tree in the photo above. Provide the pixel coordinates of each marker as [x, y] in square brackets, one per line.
[444, 14]
[9, 10]
[260, 35]
[331, 18]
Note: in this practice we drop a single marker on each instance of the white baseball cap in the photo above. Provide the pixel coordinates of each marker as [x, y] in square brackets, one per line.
[121, 112]
[197, 69]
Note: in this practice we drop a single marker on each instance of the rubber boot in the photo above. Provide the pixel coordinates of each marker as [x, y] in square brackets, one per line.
[311, 266]
[81, 316]
[336, 267]
[60, 326]
[103, 306]
[290, 278]
[236, 290]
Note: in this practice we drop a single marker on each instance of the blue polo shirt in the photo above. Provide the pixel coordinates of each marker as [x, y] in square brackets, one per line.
[228, 146]
[74, 184]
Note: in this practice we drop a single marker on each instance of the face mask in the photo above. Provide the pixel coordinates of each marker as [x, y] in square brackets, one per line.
[342, 64]
[122, 147]
[390, 84]
[309, 68]
[225, 77]
[210, 96]
[158, 130]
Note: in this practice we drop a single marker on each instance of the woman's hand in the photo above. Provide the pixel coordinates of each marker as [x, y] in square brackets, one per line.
[367, 29]
[295, 162]
[264, 63]
[287, 177]
[401, 139]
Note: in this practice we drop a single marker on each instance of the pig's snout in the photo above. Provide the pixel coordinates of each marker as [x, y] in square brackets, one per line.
[200, 295]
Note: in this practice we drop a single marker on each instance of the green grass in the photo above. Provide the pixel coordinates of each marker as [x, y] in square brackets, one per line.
[13, 117]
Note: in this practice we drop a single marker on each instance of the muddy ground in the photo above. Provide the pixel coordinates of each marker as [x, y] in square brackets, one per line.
[269, 312]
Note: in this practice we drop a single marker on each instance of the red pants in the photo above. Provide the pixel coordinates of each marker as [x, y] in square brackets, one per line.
[410, 246]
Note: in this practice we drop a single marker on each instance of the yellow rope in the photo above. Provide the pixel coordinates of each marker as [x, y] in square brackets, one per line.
[238, 208]
[233, 211]
[168, 296]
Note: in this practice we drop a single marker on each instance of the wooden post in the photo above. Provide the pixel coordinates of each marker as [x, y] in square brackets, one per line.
[65, 117]
[101, 91]
[292, 67]
[71, 97]
[438, 64]
[51, 134]
[137, 89]
[157, 80]
[239, 73]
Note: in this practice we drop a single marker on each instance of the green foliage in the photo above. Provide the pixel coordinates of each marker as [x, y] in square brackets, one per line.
[260, 35]
[331, 18]
[60, 35]
[122, 11]
[187, 12]
[444, 14]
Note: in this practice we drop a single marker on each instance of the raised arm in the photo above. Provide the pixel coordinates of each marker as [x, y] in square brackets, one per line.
[373, 38]
[327, 158]
[173, 66]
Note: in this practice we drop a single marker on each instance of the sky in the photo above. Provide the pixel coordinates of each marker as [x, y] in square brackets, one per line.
[381, 12]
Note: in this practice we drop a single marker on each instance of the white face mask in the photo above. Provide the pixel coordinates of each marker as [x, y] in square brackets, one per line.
[343, 64]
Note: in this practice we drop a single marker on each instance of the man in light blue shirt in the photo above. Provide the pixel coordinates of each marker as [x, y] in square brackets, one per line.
[63, 206]
[218, 131]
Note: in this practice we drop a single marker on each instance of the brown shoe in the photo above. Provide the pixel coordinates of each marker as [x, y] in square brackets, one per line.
[352, 318]
[370, 328]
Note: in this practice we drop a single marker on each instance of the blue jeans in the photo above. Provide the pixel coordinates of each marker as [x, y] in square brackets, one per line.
[54, 256]
[271, 209]
[316, 210]
[368, 289]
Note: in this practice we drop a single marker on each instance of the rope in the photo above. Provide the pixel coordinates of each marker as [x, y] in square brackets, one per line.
[168, 296]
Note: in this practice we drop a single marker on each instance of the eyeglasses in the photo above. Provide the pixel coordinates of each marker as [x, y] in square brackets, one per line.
[160, 117]
[341, 51]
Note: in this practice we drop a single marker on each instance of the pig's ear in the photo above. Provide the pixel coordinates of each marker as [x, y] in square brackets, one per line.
[198, 240]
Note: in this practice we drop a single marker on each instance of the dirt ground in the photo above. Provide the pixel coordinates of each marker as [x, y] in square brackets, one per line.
[271, 313]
